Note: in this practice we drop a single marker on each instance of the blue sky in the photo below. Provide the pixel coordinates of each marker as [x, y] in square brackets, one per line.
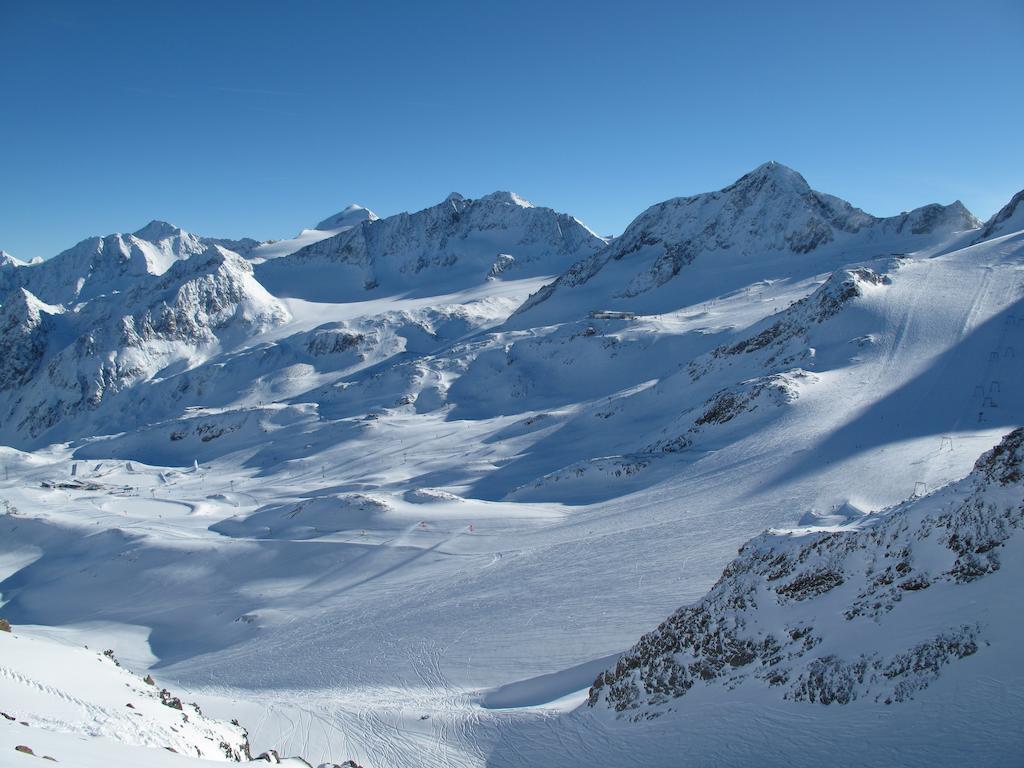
[260, 118]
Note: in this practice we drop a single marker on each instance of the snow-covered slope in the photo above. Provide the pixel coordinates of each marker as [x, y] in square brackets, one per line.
[50, 691]
[769, 223]
[876, 610]
[855, 363]
[450, 246]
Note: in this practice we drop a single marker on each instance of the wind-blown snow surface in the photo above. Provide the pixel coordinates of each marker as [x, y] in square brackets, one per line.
[373, 516]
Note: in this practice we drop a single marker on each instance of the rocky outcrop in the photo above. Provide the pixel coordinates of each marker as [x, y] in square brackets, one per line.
[783, 612]
[778, 339]
[729, 404]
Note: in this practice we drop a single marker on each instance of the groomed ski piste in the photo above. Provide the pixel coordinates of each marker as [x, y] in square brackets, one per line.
[407, 514]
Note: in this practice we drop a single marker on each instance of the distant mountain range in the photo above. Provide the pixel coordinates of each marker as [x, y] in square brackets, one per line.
[107, 315]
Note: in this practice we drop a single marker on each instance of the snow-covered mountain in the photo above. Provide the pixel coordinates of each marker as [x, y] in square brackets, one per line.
[63, 366]
[744, 229]
[102, 265]
[99, 265]
[350, 216]
[381, 494]
[450, 246]
[123, 328]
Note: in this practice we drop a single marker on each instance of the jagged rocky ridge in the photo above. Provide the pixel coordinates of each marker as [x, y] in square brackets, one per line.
[872, 611]
[9, 272]
[24, 321]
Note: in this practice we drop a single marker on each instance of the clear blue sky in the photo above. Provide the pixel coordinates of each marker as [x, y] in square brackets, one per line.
[260, 118]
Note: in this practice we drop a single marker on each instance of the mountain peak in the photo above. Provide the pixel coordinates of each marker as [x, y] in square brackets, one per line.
[453, 243]
[959, 209]
[1009, 218]
[349, 217]
[157, 230]
[24, 304]
[772, 172]
[508, 198]
[6, 258]
[773, 167]
[931, 218]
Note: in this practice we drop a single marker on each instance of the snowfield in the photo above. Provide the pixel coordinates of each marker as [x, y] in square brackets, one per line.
[465, 487]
